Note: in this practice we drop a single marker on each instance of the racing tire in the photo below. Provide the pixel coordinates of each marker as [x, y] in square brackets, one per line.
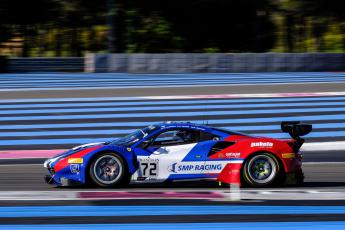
[109, 170]
[261, 170]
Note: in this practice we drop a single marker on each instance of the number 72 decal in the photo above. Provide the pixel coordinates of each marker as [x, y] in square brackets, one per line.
[149, 168]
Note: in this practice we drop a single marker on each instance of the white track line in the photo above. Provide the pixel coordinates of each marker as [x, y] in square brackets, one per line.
[323, 146]
[7, 165]
[196, 96]
[323, 163]
[161, 86]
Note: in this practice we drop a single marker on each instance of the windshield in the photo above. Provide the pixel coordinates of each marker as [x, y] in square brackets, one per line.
[134, 137]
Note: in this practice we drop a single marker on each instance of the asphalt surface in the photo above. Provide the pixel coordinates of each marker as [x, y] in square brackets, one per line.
[324, 170]
[174, 219]
[30, 178]
[180, 90]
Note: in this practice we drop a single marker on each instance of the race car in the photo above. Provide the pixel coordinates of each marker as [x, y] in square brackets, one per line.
[173, 151]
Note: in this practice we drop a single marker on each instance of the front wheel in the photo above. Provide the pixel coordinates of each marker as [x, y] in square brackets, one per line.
[261, 170]
[108, 170]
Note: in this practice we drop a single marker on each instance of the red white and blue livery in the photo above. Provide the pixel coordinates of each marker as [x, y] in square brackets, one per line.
[173, 151]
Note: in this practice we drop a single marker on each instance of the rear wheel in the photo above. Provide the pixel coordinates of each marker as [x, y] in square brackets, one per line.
[261, 170]
[108, 170]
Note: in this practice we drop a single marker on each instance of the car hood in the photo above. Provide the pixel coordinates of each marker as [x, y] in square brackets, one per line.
[71, 151]
[80, 147]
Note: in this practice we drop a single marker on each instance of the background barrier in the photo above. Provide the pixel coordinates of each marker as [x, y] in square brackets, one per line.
[214, 63]
[183, 63]
[42, 64]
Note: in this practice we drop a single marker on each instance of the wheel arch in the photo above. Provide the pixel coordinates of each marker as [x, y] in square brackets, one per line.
[275, 155]
[281, 163]
[94, 156]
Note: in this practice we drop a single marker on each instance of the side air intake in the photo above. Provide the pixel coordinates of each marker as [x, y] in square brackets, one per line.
[219, 146]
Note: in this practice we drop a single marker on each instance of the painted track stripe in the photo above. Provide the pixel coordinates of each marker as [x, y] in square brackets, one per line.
[322, 131]
[283, 101]
[46, 211]
[210, 121]
[314, 225]
[169, 108]
[109, 86]
[19, 82]
[133, 82]
[110, 131]
[172, 114]
[175, 78]
[85, 76]
[23, 154]
[255, 97]
[73, 140]
[129, 80]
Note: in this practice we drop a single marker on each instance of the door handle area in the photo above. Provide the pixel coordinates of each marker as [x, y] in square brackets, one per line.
[162, 150]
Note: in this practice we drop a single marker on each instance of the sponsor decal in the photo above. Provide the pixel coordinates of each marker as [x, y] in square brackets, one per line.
[288, 155]
[172, 168]
[232, 155]
[75, 168]
[183, 168]
[75, 161]
[261, 144]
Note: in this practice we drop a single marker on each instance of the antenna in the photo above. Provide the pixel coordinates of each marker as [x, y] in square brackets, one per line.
[203, 114]
[205, 121]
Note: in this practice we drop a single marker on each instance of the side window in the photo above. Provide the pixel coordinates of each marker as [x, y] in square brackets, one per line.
[205, 136]
[175, 137]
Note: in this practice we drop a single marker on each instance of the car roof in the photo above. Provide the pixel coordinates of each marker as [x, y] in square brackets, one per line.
[173, 124]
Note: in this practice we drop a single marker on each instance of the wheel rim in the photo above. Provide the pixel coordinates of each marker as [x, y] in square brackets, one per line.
[262, 169]
[107, 169]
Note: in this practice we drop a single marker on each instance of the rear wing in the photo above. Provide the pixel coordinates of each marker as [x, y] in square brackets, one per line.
[296, 129]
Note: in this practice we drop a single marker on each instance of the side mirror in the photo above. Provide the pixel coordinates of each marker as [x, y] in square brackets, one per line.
[145, 144]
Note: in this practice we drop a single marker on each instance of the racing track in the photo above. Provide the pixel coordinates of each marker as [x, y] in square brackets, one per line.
[29, 177]
[26, 174]
[324, 171]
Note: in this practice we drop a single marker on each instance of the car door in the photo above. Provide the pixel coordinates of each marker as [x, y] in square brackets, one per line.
[171, 155]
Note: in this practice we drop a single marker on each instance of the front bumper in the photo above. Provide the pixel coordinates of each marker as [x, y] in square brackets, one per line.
[63, 181]
[49, 179]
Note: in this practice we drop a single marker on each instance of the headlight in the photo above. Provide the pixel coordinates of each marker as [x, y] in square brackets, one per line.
[46, 163]
[50, 161]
